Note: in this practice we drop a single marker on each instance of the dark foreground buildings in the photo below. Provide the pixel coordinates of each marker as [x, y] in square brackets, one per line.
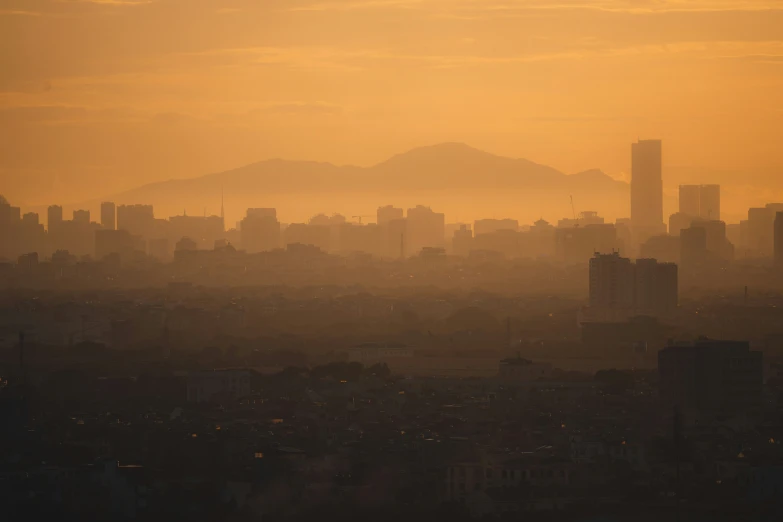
[709, 377]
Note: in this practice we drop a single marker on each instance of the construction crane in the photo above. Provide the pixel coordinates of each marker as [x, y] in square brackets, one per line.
[360, 218]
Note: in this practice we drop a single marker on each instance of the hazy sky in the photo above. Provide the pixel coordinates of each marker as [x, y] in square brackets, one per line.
[102, 95]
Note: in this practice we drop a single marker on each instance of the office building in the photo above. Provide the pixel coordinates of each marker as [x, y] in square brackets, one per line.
[260, 230]
[779, 239]
[108, 215]
[717, 243]
[709, 202]
[425, 228]
[588, 217]
[119, 242]
[204, 230]
[710, 377]
[318, 236]
[489, 226]
[693, 247]
[690, 196]
[136, 219]
[81, 216]
[578, 244]
[387, 214]
[702, 201]
[760, 232]
[462, 241]
[656, 285]
[664, 248]
[611, 281]
[680, 221]
[646, 189]
[647, 286]
[395, 237]
[54, 217]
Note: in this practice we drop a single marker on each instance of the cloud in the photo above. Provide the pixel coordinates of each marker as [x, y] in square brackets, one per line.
[42, 114]
[303, 108]
[109, 2]
[18, 12]
[453, 8]
[360, 5]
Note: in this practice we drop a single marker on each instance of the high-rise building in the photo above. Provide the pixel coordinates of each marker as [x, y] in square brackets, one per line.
[647, 285]
[710, 377]
[120, 242]
[709, 202]
[656, 285]
[136, 219]
[646, 189]
[425, 228]
[761, 224]
[716, 237]
[108, 215]
[690, 196]
[779, 239]
[388, 213]
[81, 216]
[462, 241]
[579, 244]
[54, 216]
[611, 281]
[260, 230]
[693, 247]
[588, 217]
[489, 226]
[680, 221]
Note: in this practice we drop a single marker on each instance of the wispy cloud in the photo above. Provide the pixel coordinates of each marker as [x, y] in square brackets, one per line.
[461, 8]
[303, 108]
[109, 2]
[19, 12]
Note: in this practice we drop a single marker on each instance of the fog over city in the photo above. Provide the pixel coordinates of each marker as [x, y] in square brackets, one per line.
[383, 260]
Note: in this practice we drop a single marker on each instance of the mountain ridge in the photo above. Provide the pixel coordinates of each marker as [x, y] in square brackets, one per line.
[450, 175]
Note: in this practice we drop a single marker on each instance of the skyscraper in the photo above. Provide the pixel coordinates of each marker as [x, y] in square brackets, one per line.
[709, 202]
[646, 189]
[611, 281]
[690, 197]
[108, 215]
[81, 216]
[387, 214]
[779, 239]
[54, 217]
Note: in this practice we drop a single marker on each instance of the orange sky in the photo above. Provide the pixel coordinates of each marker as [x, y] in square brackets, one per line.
[97, 96]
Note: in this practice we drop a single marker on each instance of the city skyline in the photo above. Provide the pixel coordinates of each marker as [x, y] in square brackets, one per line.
[353, 82]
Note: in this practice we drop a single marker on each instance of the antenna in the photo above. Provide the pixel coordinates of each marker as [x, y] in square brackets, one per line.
[573, 210]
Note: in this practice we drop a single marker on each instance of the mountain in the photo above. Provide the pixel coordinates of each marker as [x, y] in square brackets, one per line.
[463, 181]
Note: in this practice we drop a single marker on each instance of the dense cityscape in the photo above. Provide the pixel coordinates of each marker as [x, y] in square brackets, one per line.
[412, 367]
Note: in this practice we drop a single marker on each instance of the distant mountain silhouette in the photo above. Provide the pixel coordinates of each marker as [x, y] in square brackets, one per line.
[446, 173]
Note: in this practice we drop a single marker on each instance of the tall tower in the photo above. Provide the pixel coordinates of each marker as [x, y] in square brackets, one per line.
[222, 210]
[646, 189]
[108, 215]
[709, 202]
[778, 240]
